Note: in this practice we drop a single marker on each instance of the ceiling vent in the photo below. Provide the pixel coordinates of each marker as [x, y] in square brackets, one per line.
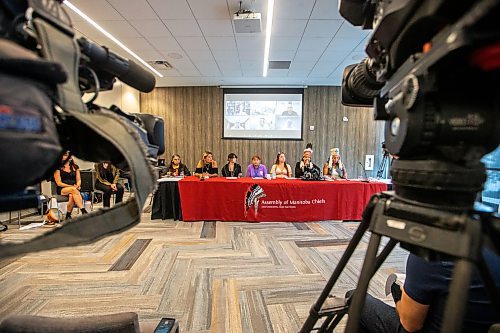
[161, 65]
[279, 64]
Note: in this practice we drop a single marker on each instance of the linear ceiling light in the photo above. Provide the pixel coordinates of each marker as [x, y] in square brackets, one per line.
[110, 36]
[269, 27]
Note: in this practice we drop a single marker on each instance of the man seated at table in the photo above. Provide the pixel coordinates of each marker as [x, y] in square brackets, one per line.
[207, 166]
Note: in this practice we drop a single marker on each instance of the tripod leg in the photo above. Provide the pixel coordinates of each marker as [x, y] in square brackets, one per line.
[314, 312]
[358, 298]
[457, 296]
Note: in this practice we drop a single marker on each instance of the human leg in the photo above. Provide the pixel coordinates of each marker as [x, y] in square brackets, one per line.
[119, 193]
[106, 189]
[378, 317]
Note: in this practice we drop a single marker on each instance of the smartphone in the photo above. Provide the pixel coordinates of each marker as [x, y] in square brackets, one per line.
[167, 325]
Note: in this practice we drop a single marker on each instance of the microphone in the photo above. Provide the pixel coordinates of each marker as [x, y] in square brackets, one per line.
[102, 59]
[364, 171]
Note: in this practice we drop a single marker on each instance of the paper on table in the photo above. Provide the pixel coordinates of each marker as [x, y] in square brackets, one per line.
[231, 177]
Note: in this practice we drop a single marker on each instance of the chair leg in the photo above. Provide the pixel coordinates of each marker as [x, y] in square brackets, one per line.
[19, 218]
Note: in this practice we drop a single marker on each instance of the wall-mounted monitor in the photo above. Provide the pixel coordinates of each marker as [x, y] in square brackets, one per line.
[265, 114]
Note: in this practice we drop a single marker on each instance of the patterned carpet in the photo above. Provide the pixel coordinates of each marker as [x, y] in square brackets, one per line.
[212, 277]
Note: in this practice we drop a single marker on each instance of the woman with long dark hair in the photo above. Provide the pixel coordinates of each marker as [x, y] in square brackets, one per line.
[176, 167]
[107, 176]
[68, 183]
[280, 167]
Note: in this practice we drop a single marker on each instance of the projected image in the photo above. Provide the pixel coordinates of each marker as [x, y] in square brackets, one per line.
[263, 115]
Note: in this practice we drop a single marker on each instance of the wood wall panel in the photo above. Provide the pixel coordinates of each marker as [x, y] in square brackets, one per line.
[193, 123]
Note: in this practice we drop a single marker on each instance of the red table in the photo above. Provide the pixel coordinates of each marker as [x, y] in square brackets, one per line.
[261, 200]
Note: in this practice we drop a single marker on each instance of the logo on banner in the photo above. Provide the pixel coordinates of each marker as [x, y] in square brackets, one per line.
[252, 197]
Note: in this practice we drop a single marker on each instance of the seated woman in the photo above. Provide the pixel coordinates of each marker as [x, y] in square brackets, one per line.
[334, 167]
[107, 176]
[231, 169]
[68, 183]
[207, 166]
[305, 165]
[256, 169]
[176, 167]
[280, 167]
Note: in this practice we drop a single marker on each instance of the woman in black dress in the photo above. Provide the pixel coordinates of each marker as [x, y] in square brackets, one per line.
[68, 183]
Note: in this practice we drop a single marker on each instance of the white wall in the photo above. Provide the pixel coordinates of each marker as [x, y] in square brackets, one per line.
[123, 96]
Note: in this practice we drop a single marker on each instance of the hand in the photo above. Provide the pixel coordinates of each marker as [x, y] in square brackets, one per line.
[113, 187]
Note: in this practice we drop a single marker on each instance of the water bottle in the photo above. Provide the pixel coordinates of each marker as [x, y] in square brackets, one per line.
[182, 174]
[273, 175]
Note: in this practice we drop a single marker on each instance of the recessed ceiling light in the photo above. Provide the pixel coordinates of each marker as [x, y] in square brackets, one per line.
[110, 36]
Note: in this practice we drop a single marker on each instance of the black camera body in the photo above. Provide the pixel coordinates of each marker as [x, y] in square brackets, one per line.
[432, 74]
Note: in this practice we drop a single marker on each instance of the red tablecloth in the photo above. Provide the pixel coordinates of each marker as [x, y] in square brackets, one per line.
[260, 200]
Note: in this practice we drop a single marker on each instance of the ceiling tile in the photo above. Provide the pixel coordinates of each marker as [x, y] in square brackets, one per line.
[250, 42]
[207, 68]
[231, 72]
[97, 10]
[221, 43]
[134, 10]
[171, 9]
[308, 55]
[221, 55]
[183, 28]
[252, 55]
[330, 55]
[349, 31]
[164, 43]
[344, 44]
[151, 28]
[216, 27]
[213, 9]
[322, 28]
[136, 44]
[288, 28]
[326, 9]
[292, 9]
[201, 55]
[281, 54]
[314, 43]
[302, 65]
[119, 29]
[323, 70]
[284, 43]
[192, 43]
[150, 55]
[277, 72]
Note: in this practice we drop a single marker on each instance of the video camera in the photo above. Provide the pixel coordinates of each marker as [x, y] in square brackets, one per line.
[432, 74]
[44, 72]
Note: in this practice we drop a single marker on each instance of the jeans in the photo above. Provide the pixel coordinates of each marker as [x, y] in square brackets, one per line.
[378, 317]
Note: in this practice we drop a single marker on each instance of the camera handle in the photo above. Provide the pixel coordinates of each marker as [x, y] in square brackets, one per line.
[454, 235]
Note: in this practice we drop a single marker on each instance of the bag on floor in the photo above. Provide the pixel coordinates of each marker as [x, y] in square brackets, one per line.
[53, 213]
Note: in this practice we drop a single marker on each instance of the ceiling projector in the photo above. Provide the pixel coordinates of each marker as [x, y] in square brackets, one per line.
[247, 23]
